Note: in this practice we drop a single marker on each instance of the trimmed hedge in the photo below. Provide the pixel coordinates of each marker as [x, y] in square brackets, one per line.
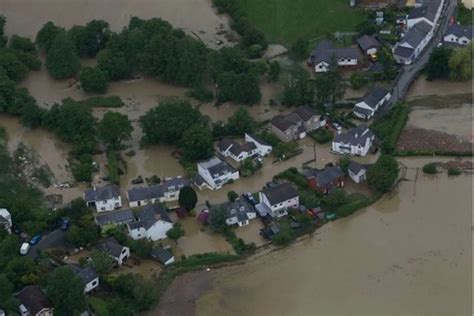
[352, 207]
[389, 128]
[430, 168]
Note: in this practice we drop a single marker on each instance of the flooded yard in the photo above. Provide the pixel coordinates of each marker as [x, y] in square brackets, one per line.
[408, 254]
[251, 233]
[196, 17]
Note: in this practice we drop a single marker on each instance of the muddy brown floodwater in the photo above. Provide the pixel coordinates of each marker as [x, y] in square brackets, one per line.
[408, 254]
[197, 17]
[423, 87]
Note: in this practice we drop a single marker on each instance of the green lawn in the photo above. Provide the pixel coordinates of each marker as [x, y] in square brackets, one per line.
[99, 305]
[284, 21]
[464, 15]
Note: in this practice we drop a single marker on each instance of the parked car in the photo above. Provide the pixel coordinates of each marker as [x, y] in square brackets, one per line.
[35, 239]
[25, 247]
[337, 127]
[65, 223]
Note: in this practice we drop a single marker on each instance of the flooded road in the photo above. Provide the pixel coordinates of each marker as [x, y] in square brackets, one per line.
[408, 254]
[196, 17]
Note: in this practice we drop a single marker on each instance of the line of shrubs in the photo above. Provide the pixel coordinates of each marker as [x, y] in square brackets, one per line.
[389, 128]
[411, 153]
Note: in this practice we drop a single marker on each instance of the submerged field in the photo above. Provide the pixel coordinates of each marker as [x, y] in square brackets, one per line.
[285, 21]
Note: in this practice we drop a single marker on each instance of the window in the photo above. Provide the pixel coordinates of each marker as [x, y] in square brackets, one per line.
[124, 250]
[94, 283]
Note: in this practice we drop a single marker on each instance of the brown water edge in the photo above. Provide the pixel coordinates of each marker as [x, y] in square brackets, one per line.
[408, 254]
[196, 17]
[423, 87]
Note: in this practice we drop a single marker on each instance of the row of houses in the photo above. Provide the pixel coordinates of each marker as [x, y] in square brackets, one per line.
[420, 24]
[458, 35]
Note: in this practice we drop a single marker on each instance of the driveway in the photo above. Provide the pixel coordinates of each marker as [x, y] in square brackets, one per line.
[54, 239]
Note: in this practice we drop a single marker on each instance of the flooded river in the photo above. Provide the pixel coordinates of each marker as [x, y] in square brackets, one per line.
[408, 254]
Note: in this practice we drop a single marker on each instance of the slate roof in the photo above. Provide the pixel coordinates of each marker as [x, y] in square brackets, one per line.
[324, 51]
[161, 254]
[237, 149]
[281, 123]
[34, 299]
[301, 114]
[460, 30]
[118, 217]
[174, 184]
[280, 193]
[87, 274]
[240, 207]
[149, 215]
[356, 136]
[428, 10]
[111, 246]
[215, 166]
[404, 52]
[374, 96]
[356, 167]
[106, 192]
[417, 34]
[326, 176]
[157, 191]
[305, 112]
[362, 110]
[224, 144]
[368, 41]
[258, 139]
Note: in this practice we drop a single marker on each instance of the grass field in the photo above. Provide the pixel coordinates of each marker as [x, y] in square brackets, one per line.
[284, 21]
[464, 15]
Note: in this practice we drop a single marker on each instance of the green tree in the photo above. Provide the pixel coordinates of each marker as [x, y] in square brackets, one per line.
[138, 293]
[102, 262]
[175, 233]
[3, 37]
[284, 236]
[330, 86]
[14, 68]
[167, 122]
[438, 64]
[113, 63]
[114, 128]
[62, 60]
[358, 80]
[23, 44]
[274, 70]
[238, 87]
[47, 34]
[430, 168]
[335, 199]
[299, 49]
[344, 162]
[241, 122]
[93, 80]
[197, 143]
[298, 90]
[187, 198]
[7, 301]
[388, 64]
[217, 217]
[460, 63]
[383, 174]
[66, 291]
[232, 196]
[90, 39]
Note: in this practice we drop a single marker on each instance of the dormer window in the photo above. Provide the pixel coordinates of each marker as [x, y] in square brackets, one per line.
[233, 211]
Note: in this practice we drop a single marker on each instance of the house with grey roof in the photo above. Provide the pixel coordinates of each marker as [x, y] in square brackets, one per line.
[357, 171]
[356, 141]
[166, 191]
[236, 151]
[262, 148]
[88, 275]
[152, 223]
[114, 218]
[162, 255]
[239, 212]
[366, 107]
[458, 35]
[34, 302]
[275, 200]
[368, 44]
[115, 250]
[106, 198]
[325, 180]
[6, 219]
[415, 40]
[429, 12]
[297, 124]
[324, 52]
[214, 173]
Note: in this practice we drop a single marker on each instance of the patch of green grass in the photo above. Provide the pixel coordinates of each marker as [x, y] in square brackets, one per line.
[284, 21]
[464, 15]
[99, 305]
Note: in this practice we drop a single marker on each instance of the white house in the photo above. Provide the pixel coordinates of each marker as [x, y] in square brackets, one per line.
[321, 56]
[6, 219]
[357, 171]
[458, 34]
[410, 47]
[371, 102]
[33, 302]
[118, 252]
[106, 198]
[297, 124]
[153, 223]
[239, 212]
[166, 191]
[262, 148]
[236, 151]
[214, 173]
[429, 13]
[357, 141]
[277, 199]
[114, 218]
[88, 275]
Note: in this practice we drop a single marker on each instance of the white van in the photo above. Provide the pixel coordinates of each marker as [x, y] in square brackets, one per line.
[25, 247]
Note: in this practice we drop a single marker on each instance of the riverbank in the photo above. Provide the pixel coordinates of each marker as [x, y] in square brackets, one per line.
[345, 269]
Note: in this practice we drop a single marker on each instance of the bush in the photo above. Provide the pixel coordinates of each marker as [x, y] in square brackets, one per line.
[430, 168]
[293, 175]
[112, 167]
[358, 81]
[201, 94]
[389, 128]
[454, 171]
[322, 135]
[62, 60]
[93, 80]
[299, 49]
[284, 236]
[232, 196]
[383, 174]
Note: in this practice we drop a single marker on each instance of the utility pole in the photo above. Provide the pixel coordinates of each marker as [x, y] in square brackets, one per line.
[314, 150]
